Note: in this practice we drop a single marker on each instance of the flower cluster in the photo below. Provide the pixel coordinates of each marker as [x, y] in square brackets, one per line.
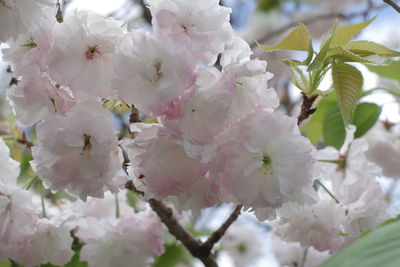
[359, 203]
[217, 137]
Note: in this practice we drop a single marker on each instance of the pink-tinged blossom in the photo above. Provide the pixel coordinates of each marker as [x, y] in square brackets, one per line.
[250, 78]
[78, 152]
[164, 170]
[29, 49]
[346, 166]
[48, 242]
[131, 239]
[365, 206]
[36, 96]
[244, 243]
[319, 225]
[151, 73]
[264, 162]
[22, 16]
[291, 254]
[9, 168]
[17, 217]
[100, 208]
[384, 148]
[201, 26]
[82, 58]
[204, 114]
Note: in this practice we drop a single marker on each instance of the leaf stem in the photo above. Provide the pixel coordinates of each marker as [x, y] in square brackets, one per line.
[31, 182]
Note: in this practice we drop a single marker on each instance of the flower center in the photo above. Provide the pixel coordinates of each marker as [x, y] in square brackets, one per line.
[93, 52]
[157, 66]
[242, 249]
[29, 44]
[266, 164]
[156, 73]
[87, 145]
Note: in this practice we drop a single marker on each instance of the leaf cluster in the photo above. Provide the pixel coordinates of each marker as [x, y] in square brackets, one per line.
[336, 54]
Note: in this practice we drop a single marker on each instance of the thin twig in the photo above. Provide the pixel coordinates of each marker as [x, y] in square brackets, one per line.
[219, 233]
[393, 5]
[131, 186]
[312, 20]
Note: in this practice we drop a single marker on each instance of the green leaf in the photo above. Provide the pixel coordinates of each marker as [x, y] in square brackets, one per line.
[348, 83]
[132, 199]
[367, 48]
[75, 262]
[5, 264]
[298, 39]
[365, 116]
[380, 247]
[319, 60]
[298, 78]
[268, 5]
[334, 131]
[173, 255]
[293, 63]
[344, 34]
[389, 70]
[116, 106]
[343, 55]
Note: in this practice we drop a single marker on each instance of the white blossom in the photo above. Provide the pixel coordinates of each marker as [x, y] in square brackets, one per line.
[47, 243]
[9, 168]
[36, 95]
[78, 152]
[201, 26]
[132, 239]
[151, 73]
[265, 162]
[17, 218]
[244, 243]
[82, 58]
[22, 16]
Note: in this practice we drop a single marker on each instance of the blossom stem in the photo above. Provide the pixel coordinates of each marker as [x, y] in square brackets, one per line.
[31, 182]
[117, 210]
[43, 205]
[327, 190]
[304, 258]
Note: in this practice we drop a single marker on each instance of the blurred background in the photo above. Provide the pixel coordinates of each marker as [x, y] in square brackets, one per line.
[265, 21]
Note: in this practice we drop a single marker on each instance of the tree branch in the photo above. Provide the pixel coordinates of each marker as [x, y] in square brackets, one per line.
[393, 5]
[202, 251]
[306, 107]
[193, 245]
[312, 20]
